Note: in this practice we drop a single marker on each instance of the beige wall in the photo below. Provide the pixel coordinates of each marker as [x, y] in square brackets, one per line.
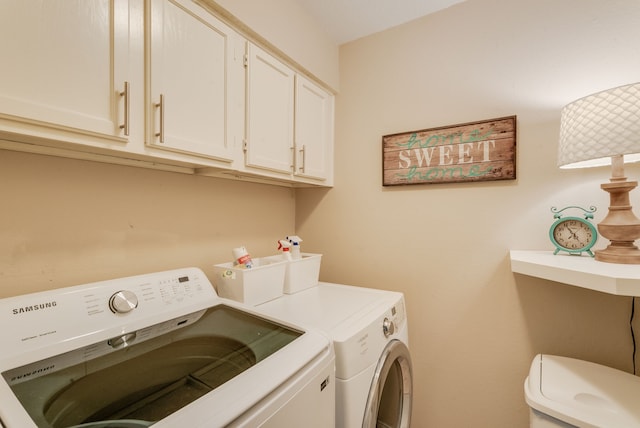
[474, 326]
[66, 222]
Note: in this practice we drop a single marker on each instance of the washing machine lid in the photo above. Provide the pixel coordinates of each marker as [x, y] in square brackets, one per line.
[582, 393]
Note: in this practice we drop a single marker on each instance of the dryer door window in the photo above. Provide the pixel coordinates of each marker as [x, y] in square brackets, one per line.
[391, 393]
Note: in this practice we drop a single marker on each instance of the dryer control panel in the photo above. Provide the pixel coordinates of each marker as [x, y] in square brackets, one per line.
[398, 315]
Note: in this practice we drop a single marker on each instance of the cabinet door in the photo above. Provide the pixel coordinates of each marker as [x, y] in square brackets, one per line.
[191, 53]
[313, 130]
[269, 117]
[64, 66]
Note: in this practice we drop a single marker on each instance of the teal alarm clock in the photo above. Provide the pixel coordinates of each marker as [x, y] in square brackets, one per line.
[574, 235]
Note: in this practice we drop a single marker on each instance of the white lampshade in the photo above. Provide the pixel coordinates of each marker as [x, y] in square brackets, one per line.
[598, 126]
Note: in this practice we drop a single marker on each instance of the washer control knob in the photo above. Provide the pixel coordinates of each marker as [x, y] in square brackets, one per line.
[388, 327]
[123, 301]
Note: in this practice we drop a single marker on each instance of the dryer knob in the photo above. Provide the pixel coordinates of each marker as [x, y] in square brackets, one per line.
[388, 327]
[123, 301]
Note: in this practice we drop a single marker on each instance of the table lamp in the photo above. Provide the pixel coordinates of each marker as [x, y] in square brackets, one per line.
[604, 129]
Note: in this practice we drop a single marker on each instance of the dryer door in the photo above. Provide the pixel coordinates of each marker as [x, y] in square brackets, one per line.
[391, 393]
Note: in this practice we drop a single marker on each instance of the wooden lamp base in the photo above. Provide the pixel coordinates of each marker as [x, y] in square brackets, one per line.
[620, 226]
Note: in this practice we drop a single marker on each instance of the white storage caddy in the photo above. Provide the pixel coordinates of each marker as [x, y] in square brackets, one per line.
[261, 283]
[302, 273]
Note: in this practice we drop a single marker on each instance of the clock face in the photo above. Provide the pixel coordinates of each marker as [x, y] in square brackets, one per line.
[573, 234]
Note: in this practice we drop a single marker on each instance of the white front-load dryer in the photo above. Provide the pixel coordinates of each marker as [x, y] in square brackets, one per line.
[368, 327]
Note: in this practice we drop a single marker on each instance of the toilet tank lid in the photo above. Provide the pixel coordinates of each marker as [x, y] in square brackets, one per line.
[583, 393]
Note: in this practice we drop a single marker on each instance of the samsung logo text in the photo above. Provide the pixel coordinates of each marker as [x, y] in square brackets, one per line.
[33, 308]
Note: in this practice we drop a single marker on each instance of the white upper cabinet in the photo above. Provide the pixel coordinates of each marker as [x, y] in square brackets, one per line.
[269, 112]
[192, 81]
[64, 66]
[160, 84]
[313, 130]
[289, 121]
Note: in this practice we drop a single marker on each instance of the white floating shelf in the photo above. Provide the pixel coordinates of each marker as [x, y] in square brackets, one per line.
[581, 271]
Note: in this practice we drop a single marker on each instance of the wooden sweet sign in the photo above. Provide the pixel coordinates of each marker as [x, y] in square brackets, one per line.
[478, 151]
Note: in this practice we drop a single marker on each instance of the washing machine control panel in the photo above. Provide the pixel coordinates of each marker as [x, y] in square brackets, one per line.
[122, 305]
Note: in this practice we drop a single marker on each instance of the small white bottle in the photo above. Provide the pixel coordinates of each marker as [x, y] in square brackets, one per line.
[241, 258]
[295, 247]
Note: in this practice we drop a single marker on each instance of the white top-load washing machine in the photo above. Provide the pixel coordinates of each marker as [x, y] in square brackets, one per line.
[374, 381]
[159, 349]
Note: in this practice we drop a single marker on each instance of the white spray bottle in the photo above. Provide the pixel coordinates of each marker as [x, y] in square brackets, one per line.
[295, 246]
[285, 246]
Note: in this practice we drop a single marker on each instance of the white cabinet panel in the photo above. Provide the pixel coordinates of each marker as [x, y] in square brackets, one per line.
[191, 53]
[313, 130]
[269, 117]
[64, 64]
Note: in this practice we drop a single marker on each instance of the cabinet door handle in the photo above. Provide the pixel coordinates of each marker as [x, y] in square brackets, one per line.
[304, 158]
[125, 95]
[160, 106]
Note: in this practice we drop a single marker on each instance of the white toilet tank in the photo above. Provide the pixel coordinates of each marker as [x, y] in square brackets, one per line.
[565, 392]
